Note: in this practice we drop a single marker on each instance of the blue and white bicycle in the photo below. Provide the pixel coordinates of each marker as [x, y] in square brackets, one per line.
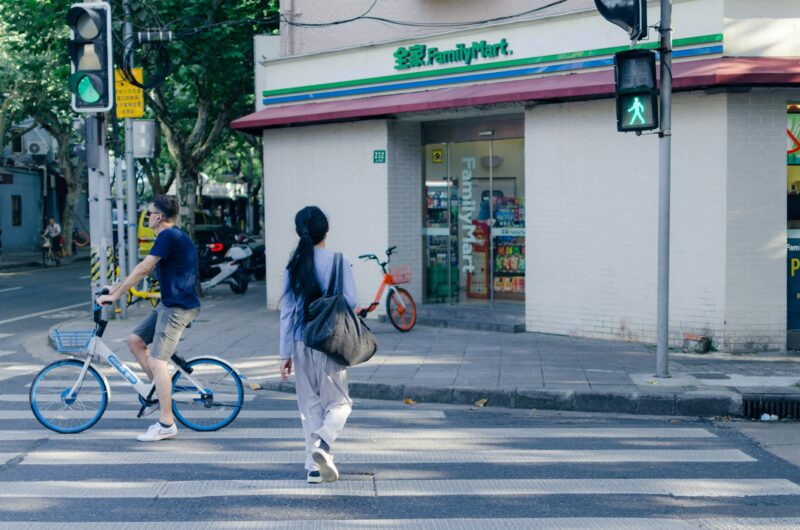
[71, 395]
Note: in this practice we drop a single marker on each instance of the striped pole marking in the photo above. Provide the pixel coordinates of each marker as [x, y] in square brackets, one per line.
[516, 456]
[94, 267]
[683, 487]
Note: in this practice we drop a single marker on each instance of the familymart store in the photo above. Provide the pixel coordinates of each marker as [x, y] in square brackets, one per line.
[490, 157]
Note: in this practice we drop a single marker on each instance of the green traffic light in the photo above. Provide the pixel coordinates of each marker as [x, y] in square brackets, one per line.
[636, 112]
[86, 91]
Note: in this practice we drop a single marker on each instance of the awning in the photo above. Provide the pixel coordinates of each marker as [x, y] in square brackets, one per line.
[689, 75]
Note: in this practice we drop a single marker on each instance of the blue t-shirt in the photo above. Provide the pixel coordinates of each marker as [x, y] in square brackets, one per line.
[177, 268]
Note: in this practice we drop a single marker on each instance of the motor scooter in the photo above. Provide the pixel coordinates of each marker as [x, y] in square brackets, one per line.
[255, 266]
[232, 271]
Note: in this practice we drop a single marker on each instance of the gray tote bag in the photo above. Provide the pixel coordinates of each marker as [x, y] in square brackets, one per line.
[334, 329]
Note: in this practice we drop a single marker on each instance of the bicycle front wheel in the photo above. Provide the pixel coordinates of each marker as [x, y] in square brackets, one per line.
[401, 309]
[55, 409]
[218, 400]
[47, 258]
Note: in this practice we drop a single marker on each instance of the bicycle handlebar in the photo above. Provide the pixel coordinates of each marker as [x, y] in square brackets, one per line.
[98, 314]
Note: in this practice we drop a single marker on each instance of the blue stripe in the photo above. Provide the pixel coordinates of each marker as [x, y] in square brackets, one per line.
[581, 65]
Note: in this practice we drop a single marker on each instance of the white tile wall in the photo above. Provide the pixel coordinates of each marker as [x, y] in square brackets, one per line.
[592, 218]
[329, 166]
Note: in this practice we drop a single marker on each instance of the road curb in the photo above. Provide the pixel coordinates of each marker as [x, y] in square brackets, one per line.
[667, 404]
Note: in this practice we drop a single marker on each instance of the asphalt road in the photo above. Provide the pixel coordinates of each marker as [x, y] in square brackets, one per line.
[403, 466]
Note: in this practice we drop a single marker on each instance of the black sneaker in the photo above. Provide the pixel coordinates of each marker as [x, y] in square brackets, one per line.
[326, 466]
[314, 477]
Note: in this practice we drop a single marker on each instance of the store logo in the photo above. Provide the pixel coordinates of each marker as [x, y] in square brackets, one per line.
[467, 212]
[421, 55]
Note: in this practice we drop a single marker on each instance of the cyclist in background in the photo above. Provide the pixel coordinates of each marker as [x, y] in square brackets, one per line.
[53, 234]
[174, 257]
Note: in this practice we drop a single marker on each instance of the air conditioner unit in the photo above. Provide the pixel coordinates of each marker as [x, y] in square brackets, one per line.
[36, 147]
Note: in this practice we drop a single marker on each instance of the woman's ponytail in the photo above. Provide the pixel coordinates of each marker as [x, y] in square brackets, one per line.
[312, 227]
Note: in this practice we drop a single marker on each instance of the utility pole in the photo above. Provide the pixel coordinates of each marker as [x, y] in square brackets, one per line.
[130, 168]
[99, 201]
[664, 174]
[120, 204]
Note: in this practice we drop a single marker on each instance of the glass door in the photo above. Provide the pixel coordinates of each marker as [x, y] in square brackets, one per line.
[474, 225]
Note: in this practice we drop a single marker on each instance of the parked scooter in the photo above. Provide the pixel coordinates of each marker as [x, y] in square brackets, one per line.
[256, 266]
[232, 271]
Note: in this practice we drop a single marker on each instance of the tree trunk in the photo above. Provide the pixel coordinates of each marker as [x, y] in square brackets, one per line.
[187, 197]
[73, 190]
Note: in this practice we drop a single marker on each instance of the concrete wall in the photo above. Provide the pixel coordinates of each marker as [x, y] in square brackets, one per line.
[405, 199]
[592, 196]
[755, 311]
[762, 29]
[329, 166]
[299, 40]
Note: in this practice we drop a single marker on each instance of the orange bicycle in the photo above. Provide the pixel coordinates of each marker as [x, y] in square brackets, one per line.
[400, 305]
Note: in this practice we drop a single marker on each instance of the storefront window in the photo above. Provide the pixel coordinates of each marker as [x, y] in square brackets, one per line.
[475, 221]
[793, 223]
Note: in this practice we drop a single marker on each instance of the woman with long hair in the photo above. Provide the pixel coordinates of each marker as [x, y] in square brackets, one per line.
[320, 382]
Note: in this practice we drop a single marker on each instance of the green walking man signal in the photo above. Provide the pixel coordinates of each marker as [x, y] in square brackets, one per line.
[90, 51]
[636, 90]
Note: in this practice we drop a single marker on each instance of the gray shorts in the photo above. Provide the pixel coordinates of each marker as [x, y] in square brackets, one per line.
[162, 329]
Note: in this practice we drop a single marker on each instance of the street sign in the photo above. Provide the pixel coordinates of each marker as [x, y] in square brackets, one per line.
[130, 98]
[379, 156]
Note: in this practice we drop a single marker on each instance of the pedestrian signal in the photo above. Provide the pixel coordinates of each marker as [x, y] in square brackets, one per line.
[636, 90]
[90, 50]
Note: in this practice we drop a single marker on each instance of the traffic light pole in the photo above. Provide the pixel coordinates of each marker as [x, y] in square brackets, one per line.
[99, 201]
[664, 175]
[130, 169]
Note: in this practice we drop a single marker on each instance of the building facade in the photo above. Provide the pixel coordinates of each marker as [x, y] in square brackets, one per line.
[489, 155]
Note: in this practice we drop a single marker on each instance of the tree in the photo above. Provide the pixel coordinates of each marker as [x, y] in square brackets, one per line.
[210, 84]
[34, 42]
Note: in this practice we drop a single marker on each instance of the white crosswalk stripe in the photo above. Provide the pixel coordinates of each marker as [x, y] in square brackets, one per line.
[388, 455]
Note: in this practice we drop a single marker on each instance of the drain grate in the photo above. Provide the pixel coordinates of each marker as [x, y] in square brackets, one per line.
[781, 406]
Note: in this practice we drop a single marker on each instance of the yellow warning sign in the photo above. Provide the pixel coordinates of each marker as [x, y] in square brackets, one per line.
[129, 98]
[437, 156]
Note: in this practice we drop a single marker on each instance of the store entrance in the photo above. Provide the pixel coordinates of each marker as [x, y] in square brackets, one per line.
[474, 221]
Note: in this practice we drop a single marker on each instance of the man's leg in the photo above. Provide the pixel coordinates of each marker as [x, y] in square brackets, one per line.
[163, 381]
[140, 337]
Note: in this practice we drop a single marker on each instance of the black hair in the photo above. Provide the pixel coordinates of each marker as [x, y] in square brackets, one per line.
[312, 227]
[167, 204]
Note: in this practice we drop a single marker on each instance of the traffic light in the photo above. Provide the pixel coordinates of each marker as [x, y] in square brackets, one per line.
[636, 90]
[630, 15]
[90, 50]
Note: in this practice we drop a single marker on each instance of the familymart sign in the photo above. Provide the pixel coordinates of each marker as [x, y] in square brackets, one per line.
[420, 55]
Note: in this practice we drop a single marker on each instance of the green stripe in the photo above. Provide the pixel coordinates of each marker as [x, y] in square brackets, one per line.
[705, 39]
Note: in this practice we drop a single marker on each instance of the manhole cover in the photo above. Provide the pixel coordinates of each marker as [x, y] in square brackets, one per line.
[710, 376]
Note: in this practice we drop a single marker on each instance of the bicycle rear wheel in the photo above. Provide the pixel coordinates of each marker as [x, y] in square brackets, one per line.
[403, 316]
[213, 406]
[57, 412]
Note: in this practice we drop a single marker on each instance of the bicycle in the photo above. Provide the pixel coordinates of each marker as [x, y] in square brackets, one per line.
[70, 395]
[49, 256]
[150, 291]
[400, 306]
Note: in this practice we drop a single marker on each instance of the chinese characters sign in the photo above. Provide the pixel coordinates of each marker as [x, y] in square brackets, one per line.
[423, 55]
[130, 98]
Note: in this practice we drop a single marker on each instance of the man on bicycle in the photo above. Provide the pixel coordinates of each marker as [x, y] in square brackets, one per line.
[53, 234]
[174, 257]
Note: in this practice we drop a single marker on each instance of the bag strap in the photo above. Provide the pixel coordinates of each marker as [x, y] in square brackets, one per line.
[335, 283]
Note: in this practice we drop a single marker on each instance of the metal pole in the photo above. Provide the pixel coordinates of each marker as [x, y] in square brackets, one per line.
[130, 168]
[120, 229]
[664, 158]
[95, 155]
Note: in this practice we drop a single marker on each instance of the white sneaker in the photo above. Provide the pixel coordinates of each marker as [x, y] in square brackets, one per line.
[156, 432]
[326, 466]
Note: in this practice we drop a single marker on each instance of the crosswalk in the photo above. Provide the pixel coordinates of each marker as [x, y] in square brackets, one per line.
[418, 467]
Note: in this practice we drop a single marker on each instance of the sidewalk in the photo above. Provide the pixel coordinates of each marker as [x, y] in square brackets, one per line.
[19, 259]
[523, 370]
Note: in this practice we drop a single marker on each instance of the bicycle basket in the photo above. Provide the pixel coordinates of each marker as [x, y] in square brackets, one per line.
[400, 274]
[72, 341]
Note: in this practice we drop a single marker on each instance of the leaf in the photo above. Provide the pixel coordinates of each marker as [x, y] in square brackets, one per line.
[481, 402]
[255, 386]
[409, 401]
